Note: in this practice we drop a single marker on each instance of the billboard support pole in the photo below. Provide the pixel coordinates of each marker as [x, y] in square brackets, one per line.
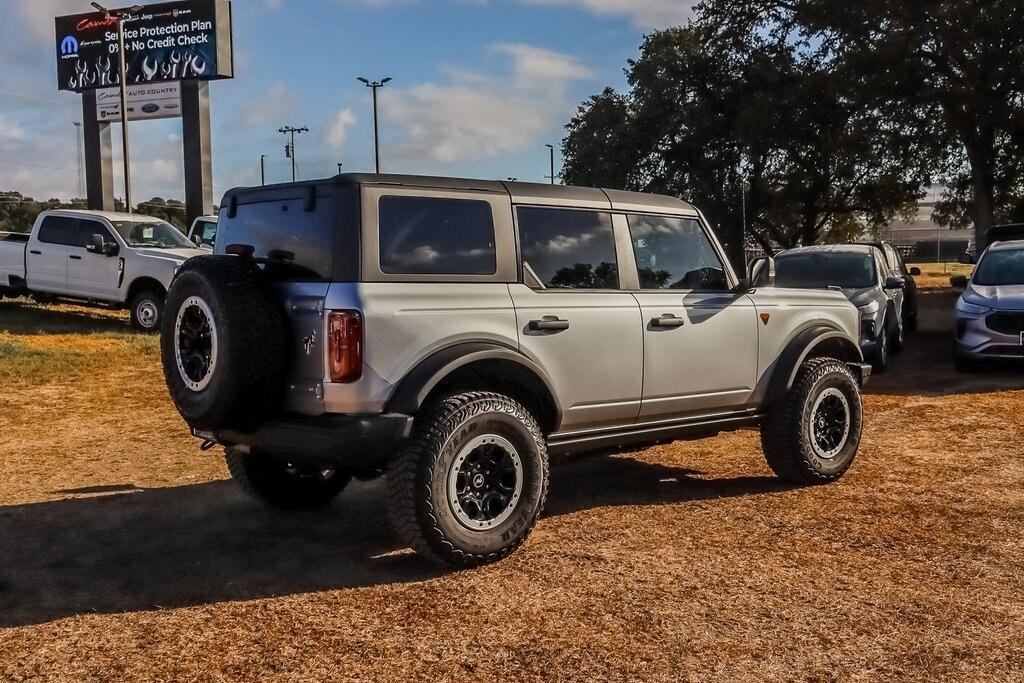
[195, 110]
[99, 157]
[123, 79]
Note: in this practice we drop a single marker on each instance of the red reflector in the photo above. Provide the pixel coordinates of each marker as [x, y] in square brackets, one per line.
[345, 348]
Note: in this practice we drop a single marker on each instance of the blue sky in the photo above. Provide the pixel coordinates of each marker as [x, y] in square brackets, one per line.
[480, 86]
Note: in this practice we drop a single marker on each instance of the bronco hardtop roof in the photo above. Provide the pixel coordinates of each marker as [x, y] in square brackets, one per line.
[520, 192]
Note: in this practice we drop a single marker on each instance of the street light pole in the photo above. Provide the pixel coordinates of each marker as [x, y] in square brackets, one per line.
[263, 169]
[289, 130]
[552, 149]
[123, 79]
[375, 86]
[340, 165]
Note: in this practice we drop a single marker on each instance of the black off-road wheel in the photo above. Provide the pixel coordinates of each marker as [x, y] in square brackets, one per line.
[223, 344]
[470, 486]
[283, 485]
[813, 434]
[147, 310]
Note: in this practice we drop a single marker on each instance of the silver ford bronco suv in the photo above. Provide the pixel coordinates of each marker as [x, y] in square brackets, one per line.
[450, 335]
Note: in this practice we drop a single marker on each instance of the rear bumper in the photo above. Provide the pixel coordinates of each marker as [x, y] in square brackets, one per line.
[359, 442]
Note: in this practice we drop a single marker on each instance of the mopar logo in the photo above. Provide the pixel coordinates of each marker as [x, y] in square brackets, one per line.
[69, 46]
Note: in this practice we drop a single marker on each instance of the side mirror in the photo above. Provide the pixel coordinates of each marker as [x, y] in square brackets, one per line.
[111, 249]
[761, 272]
[197, 240]
[958, 282]
[894, 283]
[915, 271]
[96, 245]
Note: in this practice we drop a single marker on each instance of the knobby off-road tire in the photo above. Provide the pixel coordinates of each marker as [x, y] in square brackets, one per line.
[796, 443]
[433, 483]
[223, 344]
[283, 485]
[147, 309]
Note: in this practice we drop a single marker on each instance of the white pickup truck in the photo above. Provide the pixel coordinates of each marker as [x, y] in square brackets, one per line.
[203, 233]
[96, 258]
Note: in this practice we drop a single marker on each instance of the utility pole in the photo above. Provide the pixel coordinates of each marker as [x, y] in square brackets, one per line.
[123, 81]
[551, 148]
[263, 169]
[289, 149]
[375, 86]
[79, 161]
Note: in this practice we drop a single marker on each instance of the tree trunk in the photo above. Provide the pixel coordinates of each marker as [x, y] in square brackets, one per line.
[982, 158]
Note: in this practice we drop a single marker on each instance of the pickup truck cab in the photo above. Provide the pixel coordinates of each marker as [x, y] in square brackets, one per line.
[203, 233]
[96, 258]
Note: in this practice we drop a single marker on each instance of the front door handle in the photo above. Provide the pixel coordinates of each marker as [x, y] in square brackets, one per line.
[668, 322]
[75, 258]
[549, 324]
[35, 253]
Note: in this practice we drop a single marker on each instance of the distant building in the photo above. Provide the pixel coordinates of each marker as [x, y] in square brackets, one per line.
[922, 239]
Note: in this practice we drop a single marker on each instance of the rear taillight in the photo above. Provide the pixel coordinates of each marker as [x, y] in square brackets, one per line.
[345, 346]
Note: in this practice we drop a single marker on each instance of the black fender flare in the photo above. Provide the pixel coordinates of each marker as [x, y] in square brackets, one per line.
[415, 387]
[782, 375]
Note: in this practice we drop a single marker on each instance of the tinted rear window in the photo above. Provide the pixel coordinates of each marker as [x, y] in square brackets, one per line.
[431, 236]
[299, 244]
[567, 249]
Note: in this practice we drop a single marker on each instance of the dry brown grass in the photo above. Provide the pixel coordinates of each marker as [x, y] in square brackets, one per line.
[936, 275]
[126, 556]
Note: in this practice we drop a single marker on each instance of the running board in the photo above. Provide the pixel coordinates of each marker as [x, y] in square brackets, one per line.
[638, 435]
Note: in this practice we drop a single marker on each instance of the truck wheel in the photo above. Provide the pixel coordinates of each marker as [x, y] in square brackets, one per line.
[468, 489]
[147, 310]
[222, 344]
[813, 434]
[283, 485]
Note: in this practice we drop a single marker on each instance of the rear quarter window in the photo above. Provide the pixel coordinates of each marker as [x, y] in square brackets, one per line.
[436, 236]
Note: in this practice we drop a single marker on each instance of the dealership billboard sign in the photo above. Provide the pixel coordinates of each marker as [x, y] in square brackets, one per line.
[149, 101]
[164, 42]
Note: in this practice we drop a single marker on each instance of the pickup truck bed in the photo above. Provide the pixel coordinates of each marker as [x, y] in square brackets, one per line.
[12, 256]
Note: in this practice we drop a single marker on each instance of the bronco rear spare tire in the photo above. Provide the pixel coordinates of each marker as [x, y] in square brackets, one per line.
[222, 344]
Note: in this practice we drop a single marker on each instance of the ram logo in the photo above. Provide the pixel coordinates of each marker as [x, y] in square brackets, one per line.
[69, 46]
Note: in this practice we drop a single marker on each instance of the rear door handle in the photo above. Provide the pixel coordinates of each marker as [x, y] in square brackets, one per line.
[35, 253]
[668, 322]
[549, 324]
[75, 258]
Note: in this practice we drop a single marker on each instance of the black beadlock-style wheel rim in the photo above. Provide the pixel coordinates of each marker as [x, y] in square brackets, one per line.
[195, 344]
[485, 482]
[830, 423]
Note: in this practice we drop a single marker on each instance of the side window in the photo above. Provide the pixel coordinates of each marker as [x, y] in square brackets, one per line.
[87, 229]
[565, 249]
[207, 232]
[675, 253]
[59, 230]
[434, 236]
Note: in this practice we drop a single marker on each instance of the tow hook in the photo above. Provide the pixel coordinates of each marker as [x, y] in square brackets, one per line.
[207, 445]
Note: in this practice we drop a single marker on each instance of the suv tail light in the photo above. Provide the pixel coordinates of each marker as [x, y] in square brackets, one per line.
[345, 346]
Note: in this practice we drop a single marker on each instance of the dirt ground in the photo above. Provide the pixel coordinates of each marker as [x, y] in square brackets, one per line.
[125, 555]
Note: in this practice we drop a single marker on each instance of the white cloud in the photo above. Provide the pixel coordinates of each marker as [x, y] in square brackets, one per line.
[478, 116]
[339, 126]
[646, 13]
[10, 130]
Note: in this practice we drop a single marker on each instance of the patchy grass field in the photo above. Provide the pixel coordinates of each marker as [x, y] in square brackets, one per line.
[936, 275]
[125, 555]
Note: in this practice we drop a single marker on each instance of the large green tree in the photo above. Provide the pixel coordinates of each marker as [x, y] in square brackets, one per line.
[952, 69]
[756, 126]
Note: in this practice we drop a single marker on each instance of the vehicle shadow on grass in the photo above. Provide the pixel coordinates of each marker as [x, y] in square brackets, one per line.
[206, 543]
[26, 318]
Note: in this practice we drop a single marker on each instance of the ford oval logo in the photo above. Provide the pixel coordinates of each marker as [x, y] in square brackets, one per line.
[150, 108]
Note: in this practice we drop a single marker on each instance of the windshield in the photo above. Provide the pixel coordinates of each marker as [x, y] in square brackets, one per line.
[1000, 268]
[152, 235]
[818, 270]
